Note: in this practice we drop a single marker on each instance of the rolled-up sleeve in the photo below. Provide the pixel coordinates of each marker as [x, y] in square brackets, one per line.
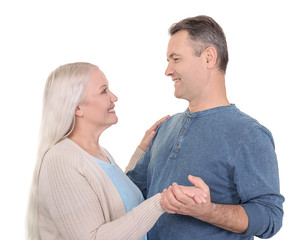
[257, 180]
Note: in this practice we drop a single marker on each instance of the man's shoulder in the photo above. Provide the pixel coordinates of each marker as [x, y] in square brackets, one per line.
[244, 123]
[173, 119]
[236, 116]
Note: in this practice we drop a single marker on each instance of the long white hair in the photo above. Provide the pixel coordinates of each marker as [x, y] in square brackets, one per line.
[64, 90]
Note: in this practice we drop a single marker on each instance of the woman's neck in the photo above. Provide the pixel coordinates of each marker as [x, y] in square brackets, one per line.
[89, 142]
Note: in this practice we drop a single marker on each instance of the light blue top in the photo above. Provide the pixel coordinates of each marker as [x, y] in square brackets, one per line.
[129, 192]
[232, 153]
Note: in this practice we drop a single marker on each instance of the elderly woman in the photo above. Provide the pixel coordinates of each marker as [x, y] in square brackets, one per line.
[78, 191]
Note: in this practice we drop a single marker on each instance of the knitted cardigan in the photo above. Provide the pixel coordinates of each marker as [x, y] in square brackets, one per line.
[77, 200]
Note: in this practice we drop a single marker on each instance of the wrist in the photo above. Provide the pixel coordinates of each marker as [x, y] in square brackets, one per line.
[142, 148]
[208, 213]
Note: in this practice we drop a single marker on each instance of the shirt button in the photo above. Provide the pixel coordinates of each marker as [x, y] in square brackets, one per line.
[188, 120]
[182, 131]
[177, 145]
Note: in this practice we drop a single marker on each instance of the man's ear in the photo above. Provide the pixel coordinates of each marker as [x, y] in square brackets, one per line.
[210, 57]
[78, 112]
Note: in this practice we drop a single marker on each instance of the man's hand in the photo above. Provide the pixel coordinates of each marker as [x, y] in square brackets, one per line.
[187, 200]
[196, 202]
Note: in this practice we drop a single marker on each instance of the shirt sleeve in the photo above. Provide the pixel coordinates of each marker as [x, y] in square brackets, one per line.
[77, 212]
[257, 180]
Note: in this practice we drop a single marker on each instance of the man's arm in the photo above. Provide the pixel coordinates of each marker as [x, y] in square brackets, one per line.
[256, 177]
[255, 172]
[229, 217]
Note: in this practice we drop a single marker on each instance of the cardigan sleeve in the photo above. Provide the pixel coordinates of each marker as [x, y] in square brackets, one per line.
[134, 159]
[76, 210]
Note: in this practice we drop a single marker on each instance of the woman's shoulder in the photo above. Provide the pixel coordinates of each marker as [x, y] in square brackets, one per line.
[65, 151]
[63, 146]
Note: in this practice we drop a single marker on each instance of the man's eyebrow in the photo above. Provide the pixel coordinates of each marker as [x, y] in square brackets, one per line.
[171, 55]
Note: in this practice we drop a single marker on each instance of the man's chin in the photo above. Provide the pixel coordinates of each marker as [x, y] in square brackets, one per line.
[179, 95]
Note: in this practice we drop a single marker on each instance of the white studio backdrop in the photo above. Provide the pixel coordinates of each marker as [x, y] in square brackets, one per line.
[266, 78]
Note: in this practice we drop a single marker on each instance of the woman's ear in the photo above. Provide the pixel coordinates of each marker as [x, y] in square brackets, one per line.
[210, 57]
[78, 112]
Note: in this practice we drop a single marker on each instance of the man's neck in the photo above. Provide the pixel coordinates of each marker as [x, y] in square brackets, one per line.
[214, 95]
[207, 106]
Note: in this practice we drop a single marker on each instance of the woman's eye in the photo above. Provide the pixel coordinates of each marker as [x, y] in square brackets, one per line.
[104, 91]
[176, 59]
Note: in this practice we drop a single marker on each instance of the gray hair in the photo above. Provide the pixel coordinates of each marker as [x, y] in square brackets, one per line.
[64, 90]
[204, 32]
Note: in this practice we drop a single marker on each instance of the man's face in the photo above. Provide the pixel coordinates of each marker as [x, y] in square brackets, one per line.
[187, 70]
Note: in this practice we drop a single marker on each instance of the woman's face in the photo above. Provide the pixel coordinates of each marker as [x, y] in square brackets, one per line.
[98, 107]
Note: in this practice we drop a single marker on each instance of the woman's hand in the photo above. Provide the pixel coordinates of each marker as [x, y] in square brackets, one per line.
[148, 136]
[186, 200]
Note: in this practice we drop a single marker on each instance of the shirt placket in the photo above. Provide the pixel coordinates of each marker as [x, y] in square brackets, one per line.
[179, 140]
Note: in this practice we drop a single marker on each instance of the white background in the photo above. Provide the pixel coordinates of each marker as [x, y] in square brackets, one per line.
[266, 78]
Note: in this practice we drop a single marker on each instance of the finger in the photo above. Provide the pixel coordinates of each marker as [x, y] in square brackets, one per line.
[146, 141]
[176, 204]
[197, 194]
[165, 202]
[198, 182]
[181, 196]
[200, 196]
[149, 134]
[152, 131]
[188, 192]
[155, 126]
[149, 138]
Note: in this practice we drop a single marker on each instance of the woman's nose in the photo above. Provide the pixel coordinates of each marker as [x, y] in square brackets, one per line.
[113, 98]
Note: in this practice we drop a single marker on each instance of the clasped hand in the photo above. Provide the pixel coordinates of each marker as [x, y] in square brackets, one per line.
[149, 134]
[194, 201]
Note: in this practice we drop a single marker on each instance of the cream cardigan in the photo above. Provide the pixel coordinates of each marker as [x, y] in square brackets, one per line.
[77, 200]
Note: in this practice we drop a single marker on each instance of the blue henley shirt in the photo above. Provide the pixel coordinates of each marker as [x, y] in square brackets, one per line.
[232, 153]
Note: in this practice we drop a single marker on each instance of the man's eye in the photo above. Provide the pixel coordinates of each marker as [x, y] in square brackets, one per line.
[176, 59]
[104, 91]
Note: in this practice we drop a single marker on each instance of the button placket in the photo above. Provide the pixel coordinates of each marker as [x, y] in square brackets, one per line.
[182, 132]
[180, 138]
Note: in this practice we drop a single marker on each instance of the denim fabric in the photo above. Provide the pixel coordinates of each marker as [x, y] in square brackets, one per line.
[232, 153]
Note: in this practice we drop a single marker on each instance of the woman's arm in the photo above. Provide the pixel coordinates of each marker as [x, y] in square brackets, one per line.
[144, 144]
[149, 134]
[80, 210]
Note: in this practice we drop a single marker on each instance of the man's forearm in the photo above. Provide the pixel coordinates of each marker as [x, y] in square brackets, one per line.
[229, 217]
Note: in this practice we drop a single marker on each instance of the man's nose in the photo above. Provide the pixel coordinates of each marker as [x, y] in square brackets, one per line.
[169, 70]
